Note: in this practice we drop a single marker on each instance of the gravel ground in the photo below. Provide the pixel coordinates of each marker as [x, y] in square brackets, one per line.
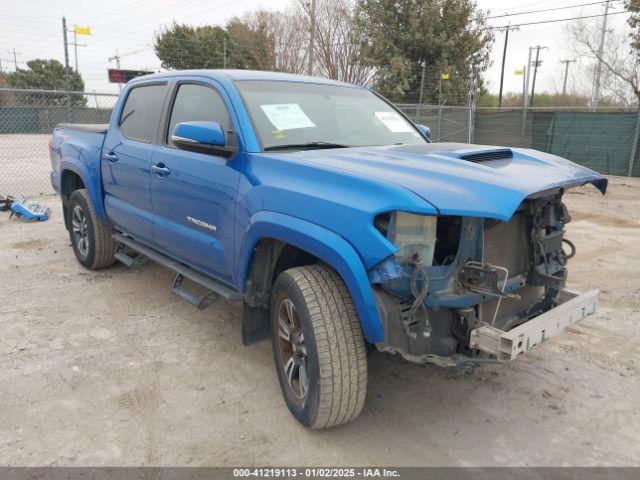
[108, 368]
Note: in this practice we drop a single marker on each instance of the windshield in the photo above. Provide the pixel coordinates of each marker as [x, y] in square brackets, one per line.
[294, 115]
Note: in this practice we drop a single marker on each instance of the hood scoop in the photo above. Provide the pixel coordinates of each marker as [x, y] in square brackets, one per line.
[487, 155]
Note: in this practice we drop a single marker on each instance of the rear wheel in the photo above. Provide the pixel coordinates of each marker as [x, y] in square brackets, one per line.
[90, 238]
[318, 346]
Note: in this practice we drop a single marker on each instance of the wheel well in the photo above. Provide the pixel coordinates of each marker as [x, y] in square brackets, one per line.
[270, 258]
[71, 182]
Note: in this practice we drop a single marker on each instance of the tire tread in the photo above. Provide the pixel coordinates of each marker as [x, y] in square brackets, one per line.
[104, 244]
[340, 344]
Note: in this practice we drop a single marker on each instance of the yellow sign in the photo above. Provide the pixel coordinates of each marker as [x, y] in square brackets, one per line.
[444, 76]
[519, 72]
[78, 30]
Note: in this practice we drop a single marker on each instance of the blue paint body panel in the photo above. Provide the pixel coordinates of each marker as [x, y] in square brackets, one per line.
[322, 201]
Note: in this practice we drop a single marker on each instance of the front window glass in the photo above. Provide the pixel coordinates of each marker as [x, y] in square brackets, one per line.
[197, 103]
[305, 115]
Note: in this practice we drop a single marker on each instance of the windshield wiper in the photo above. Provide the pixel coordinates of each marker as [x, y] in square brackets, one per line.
[307, 145]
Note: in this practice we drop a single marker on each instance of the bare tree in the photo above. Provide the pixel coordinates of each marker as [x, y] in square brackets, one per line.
[267, 40]
[280, 41]
[338, 48]
[621, 69]
[291, 41]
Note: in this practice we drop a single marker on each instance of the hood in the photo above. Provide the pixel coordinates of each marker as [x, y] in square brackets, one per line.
[461, 179]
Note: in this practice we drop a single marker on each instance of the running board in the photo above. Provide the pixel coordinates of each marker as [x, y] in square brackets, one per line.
[214, 289]
[129, 261]
[199, 301]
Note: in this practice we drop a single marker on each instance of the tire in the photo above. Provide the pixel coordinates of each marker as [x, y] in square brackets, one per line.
[90, 238]
[325, 354]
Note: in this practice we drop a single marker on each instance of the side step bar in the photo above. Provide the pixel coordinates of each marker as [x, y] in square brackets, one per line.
[214, 288]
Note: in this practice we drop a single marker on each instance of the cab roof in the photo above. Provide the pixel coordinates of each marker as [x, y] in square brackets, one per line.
[240, 75]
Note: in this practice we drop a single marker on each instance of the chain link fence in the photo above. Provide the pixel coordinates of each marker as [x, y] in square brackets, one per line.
[27, 119]
[606, 141]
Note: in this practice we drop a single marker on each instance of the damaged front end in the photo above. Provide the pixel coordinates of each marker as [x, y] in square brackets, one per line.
[466, 290]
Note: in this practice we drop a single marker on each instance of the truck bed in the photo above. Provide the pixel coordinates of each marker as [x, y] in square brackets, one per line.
[79, 144]
[85, 127]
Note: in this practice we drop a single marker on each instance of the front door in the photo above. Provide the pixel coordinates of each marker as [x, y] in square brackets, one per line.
[126, 162]
[193, 193]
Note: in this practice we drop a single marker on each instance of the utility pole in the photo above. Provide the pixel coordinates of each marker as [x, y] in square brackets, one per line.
[596, 81]
[524, 86]
[634, 148]
[439, 104]
[67, 80]
[312, 33]
[419, 109]
[536, 64]
[566, 74]
[75, 46]
[527, 78]
[15, 57]
[224, 52]
[525, 93]
[116, 57]
[504, 57]
[472, 106]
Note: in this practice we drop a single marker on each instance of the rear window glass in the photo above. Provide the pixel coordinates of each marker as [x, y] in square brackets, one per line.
[141, 112]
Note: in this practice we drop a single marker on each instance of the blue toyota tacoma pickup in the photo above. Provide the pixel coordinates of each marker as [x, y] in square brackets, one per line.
[332, 218]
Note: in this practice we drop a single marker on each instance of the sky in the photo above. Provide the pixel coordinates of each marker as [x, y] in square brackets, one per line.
[34, 29]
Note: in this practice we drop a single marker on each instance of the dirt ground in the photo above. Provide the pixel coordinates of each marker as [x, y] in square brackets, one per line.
[108, 368]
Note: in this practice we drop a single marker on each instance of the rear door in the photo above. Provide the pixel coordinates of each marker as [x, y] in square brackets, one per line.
[194, 197]
[126, 162]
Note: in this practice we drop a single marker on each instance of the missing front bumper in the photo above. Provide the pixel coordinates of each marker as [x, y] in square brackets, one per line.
[506, 346]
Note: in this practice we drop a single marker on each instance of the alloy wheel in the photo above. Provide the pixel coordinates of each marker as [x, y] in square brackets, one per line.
[80, 230]
[293, 351]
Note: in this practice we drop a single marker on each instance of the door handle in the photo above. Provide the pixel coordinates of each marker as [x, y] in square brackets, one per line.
[160, 169]
[110, 157]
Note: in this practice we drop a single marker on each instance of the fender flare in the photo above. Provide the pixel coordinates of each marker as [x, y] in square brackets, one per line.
[89, 180]
[328, 247]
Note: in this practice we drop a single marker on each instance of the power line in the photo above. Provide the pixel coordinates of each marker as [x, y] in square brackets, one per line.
[157, 13]
[536, 4]
[126, 8]
[548, 9]
[557, 20]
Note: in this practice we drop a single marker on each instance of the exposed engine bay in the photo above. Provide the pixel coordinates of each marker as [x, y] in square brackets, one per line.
[474, 273]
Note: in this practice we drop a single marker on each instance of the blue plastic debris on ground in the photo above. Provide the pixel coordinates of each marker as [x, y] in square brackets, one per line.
[29, 210]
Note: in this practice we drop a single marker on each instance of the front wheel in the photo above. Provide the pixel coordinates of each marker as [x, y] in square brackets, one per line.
[90, 238]
[318, 346]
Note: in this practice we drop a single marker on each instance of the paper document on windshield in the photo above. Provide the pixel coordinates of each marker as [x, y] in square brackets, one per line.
[287, 116]
[394, 122]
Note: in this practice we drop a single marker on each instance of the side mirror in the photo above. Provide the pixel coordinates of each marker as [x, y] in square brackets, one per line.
[203, 137]
[426, 131]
